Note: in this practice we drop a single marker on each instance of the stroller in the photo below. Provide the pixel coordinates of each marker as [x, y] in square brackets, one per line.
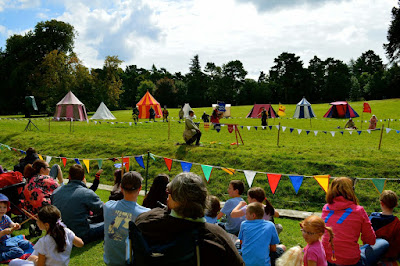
[11, 185]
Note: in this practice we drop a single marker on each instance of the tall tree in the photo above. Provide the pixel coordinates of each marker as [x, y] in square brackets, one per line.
[144, 86]
[165, 92]
[393, 47]
[196, 83]
[233, 76]
[337, 80]
[316, 69]
[110, 82]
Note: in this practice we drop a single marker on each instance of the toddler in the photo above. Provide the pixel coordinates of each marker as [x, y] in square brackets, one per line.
[213, 207]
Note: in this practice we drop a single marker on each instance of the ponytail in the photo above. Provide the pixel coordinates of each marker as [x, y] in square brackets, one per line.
[269, 209]
[58, 233]
[330, 231]
[51, 215]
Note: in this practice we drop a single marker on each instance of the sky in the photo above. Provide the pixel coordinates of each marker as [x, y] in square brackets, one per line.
[169, 33]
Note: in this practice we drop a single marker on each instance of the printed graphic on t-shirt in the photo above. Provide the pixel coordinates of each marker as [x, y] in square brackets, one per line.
[119, 225]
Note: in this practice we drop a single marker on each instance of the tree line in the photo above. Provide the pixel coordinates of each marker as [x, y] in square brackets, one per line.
[42, 63]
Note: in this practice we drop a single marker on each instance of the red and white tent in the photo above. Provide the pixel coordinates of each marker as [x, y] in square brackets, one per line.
[144, 106]
[70, 107]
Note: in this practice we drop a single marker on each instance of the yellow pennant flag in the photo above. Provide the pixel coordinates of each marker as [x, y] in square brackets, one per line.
[229, 170]
[206, 126]
[40, 157]
[86, 163]
[323, 181]
[282, 110]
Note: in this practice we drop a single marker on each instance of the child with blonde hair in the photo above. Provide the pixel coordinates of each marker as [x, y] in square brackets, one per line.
[313, 228]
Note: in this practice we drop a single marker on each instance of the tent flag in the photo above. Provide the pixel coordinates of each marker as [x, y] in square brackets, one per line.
[48, 159]
[86, 163]
[100, 163]
[323, 181]
[152, 156]
[296, 180]
[379, 184]
[168, 163]
[186, 166]
[125, 160]
[367, 108]
[139, 160]
[40, 157]
[249, 176]
[64, 160]
[230, 171]
[273, 180]
[207, 170]
[77, 161]
[281, 111]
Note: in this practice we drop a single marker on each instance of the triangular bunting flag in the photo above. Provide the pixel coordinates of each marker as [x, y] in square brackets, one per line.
[86, 163]
[168, 163]
[186, 166]
[273, 180]
[95, 122]
[296, 180]
[333, 133]
[351, 132]
[307, 131]
[64, 160]
[139, 160]
[249, 176]
[48, 159]
[241, 127]
[125, 160]
[255, 128]
[152, 156]
[217, 127]
[206, 126]
[40, 157]
[379, 184]
[22, 152]
[315, 133]
[359, 132]
[207, 170]
[270, 127]
[291, 130]
[299, 131]
[230, 128]
[248, 127]
[323, 181]
[230, 171]
[397, 131]
[388, 130]
[100, 163]
[341, 132]
[369, 131]
[77, 161]
[277, 126]
[283, 129]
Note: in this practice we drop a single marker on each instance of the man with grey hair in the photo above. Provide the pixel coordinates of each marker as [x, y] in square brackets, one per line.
[187, 196]
[117, 215]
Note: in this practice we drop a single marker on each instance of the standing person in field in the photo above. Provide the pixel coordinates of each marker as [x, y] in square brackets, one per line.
[152, 114]
[348, 220]
[264, 117]
[192, 132]
[135, 114]
[117, 215]
[232, 225]
[165, 114]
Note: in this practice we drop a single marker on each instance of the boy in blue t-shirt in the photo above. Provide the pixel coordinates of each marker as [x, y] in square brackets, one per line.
[232, 225]
[257, 236]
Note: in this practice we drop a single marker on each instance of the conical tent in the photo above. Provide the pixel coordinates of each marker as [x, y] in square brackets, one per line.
[103, 113]
[304, 110]
[144, 106]
[70, 107]
[257, 109]
[341, 110]
[186, 109]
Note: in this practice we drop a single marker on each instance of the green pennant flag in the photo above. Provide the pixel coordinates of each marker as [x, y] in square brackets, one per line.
[379, 184]
[1, 147]
[100, 163]
[152, 156]
[207, 170]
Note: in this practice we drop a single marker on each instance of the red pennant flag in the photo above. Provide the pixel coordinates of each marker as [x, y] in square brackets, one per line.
[168, 163]
[230, 128]
[367, 108]
[125, 161]
[64, 160]
[273, 180]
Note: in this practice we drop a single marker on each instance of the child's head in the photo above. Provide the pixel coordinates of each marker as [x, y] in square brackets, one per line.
[4, 204]
[256, 194]
[213, 206]
[76, 172]
[389, 199]
[49, 219]
[255, 210]
[236, 188]
[341, 186]
[313, 227]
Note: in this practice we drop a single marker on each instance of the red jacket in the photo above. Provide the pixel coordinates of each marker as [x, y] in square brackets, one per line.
[391, 233]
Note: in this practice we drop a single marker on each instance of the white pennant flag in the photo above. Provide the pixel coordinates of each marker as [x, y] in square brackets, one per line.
[248, 127]
[283, 129]
[112, 123]
[130, 123]
[388, 130]
[48, 159]
[249, 176]
[277, 126]
[315, 133]
[380, 120]
[95, 122]
[333, 133]
[391, 120]
[369, 131]
[299, 130]
[350, 132]
[263, 127]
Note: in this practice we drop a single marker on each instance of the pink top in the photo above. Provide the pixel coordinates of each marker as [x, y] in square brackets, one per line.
[315, 252]
[347, 220]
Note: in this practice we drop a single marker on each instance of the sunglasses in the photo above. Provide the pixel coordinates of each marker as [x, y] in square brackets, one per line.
[308, 233]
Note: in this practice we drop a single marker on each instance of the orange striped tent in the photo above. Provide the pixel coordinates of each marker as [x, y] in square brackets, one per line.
[144, 106]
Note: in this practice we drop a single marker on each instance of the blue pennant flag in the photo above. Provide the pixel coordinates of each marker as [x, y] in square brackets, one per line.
[270, 127]
[217, 127]
[307, 131]
[139, 160]
[255, 128]
[359, 132]
[241, 127]
[296, 180]
[397, 131]
[77, 161]
[186, 166]
[22, 152]
[291, 130]
[324, 132]
[341, 132]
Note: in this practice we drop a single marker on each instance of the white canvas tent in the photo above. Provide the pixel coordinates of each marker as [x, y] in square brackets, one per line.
[103, 113]
[186, 109]
[304, 110]
[227, 112]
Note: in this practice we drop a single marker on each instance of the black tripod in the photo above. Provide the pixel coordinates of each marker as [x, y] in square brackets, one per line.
[29, 126]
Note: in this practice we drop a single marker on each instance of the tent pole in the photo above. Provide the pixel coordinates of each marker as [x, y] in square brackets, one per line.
[380, 140]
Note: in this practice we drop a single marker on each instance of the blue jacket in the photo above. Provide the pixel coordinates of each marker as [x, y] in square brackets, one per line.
[75, 201]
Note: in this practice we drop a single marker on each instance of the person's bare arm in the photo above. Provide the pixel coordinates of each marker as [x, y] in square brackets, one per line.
[41, 260]
[237, 212]
[78, 242]
[220, 214]
[276, 214]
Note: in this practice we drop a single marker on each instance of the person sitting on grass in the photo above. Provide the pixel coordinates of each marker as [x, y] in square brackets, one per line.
[257, 236]
[192, 132]
[386, 225]
[76, 201]
[157, 196]
[232, 225]
[213, 207]
[56, 246]
[116, 193]
[117, 215]
[350, 125]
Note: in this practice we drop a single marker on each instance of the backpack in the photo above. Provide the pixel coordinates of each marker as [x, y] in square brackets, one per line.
[182, 250]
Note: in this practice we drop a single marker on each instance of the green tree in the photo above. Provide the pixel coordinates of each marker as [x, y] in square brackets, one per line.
[165, 92]
[355, 90]
[233, 76]
[144, 86]
[110, 82]
[196, 83]
[316, 70]
[337, 80]
[393, 46]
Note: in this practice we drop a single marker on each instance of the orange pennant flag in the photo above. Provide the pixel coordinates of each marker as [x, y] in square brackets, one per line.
[64, 160]
[168, 163]
[230, 171]
[86, 163]
[323, 181]
[273, 180]
[125, 161]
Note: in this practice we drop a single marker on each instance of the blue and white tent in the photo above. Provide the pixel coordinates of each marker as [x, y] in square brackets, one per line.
[304, 110]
